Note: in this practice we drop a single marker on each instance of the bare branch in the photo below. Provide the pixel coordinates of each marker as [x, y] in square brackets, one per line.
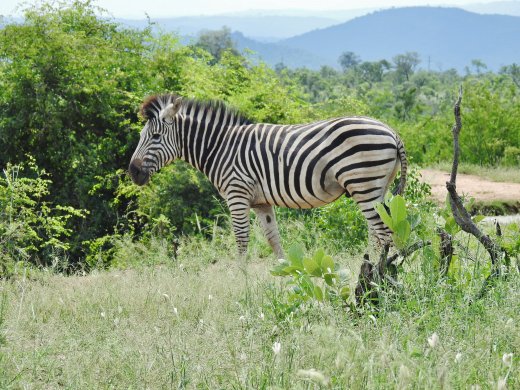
[461, 215]
[446, 251]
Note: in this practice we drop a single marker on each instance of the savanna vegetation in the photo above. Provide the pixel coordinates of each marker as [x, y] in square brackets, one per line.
[105, 284]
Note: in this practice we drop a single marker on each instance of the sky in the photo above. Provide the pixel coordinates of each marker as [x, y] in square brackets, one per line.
[170, 8]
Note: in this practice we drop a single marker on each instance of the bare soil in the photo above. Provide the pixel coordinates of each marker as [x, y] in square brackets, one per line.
[481, 189]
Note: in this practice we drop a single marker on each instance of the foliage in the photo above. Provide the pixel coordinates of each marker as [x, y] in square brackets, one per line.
[191, 323]
[331, 285]
[216, 43]
[395, 216]
[31, 228]
[182, 198]
[71, 80]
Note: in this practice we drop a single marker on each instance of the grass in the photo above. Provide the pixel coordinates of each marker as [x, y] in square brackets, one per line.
[497, 174]
[197, 323]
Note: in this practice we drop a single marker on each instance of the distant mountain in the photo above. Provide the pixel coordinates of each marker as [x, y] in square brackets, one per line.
[261, 27]
[496, 7]
[274, 53]
[339, 15]
[443, 37]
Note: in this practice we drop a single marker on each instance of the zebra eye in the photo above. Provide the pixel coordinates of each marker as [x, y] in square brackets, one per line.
[156, 136]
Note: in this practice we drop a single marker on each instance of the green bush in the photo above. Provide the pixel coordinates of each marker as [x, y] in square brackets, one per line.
[31, 228]
[511, 156]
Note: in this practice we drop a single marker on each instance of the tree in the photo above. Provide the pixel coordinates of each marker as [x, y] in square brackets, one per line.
[216, 42]
[373, 72]
[479, 66]
[512, 70]
[405, 65]
[71, 85]
[348, 60]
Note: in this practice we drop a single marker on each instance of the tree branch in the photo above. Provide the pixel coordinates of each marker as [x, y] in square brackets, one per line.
[461, 215]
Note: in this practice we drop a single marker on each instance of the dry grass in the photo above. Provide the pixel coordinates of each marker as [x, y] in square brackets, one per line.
[211, 326]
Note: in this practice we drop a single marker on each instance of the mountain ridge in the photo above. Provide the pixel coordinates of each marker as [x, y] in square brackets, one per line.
[444, 38]
[449, 37]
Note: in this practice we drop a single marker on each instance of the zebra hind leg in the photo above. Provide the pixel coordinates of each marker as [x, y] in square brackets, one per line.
[377, 227]
[267, 219]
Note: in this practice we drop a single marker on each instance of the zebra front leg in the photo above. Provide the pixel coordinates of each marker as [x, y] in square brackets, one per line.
[239, 209]
[268, 222]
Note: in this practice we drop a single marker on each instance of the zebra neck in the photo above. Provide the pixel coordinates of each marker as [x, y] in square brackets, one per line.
[203, 140]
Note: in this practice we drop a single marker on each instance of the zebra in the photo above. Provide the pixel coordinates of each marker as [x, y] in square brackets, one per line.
[259, 165]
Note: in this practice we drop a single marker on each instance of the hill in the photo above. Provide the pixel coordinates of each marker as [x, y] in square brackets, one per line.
[261, 27]
[275, 53]
[443, 37]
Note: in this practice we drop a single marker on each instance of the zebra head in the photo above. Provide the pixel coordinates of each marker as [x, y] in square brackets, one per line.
[158, 145]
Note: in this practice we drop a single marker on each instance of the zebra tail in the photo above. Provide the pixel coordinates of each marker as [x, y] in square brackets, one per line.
[404, 167]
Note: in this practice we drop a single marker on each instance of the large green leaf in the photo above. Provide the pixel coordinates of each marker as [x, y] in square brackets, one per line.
[451, 226]
[380, 208]
[327, 264]
[318, 293]
[330, 279]
[311, 267]
[398, 209]
[401, 234]
[318, 256]
[295, 255]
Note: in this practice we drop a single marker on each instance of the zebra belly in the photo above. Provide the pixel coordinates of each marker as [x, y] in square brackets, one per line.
[285, 194]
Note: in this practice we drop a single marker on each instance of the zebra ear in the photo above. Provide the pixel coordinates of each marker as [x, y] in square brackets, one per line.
[170, 110]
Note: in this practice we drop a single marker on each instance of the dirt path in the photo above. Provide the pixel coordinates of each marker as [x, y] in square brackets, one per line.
[481, 189]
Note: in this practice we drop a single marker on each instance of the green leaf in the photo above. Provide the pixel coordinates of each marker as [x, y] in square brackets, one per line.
[278, 272]
[318, 293]
[306, 285]
[454, 270]
[293, 270]
[318, 256]
[327, 264]
[311, 267]
[295, 255]
[344, 293]
[330, 279]
[401, 234]
[384, 215]
[478, 218]
[451, 226]
[398, 209]
[403, 230]
[415, 220]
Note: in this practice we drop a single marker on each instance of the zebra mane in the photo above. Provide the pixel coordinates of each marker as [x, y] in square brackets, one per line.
[152, 106]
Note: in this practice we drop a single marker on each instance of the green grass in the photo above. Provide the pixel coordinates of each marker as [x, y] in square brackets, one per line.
[498, 174]
[197, 323]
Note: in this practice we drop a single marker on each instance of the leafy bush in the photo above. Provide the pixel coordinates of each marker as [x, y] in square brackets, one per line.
[31, 228]
[317, 278]
[395, 216]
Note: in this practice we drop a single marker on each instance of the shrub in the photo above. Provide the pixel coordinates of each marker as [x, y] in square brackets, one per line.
[31, 228]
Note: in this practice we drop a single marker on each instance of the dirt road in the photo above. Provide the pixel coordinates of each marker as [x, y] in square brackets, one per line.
[481, 189]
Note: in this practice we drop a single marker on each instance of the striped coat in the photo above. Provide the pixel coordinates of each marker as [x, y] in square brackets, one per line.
[258, 165]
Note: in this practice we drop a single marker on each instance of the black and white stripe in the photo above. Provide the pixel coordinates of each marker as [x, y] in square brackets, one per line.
[257, 165]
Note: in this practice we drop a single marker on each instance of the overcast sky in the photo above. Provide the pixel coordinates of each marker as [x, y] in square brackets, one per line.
[167, 8]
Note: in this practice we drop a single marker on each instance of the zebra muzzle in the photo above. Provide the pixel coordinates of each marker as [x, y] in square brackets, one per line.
[139, 175]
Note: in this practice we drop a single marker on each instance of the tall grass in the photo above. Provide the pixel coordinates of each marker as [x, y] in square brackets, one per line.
[207, 320]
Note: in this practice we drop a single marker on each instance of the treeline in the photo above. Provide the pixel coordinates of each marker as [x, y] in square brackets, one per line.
[71, 82]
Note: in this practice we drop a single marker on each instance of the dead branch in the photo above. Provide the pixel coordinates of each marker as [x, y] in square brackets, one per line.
[446, 251]
[461, 215]
[384, 272]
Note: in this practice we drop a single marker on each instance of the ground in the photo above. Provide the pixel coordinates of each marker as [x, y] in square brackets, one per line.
[480, 188]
